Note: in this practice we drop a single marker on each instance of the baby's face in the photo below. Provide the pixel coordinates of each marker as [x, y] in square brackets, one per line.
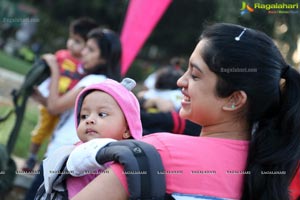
[101, 117]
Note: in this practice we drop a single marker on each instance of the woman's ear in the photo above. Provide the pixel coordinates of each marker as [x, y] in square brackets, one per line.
[235, 101]
[126, 134]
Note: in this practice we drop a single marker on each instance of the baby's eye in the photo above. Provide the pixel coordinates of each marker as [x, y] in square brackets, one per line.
[82, 117]
[103, 114]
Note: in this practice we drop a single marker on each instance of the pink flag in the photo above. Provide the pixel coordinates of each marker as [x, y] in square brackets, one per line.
[141, 18]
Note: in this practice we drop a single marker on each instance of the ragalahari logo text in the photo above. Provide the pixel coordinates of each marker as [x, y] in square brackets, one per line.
[246, 8]
[271, 8]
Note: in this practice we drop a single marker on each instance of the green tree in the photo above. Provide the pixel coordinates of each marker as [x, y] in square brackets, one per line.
[177, 31]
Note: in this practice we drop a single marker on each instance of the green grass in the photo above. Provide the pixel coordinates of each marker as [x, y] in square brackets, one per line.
[21, 148]
[13, 63]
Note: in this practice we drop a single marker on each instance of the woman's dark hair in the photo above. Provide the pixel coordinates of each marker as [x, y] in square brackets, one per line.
[110, 47]
[252, 63]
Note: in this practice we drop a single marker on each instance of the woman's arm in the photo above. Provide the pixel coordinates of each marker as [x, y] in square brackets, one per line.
[105, 186]
[38, 97]
[56, 103]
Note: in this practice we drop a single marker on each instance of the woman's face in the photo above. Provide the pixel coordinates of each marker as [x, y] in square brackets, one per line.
[91, 55]
[200, 103]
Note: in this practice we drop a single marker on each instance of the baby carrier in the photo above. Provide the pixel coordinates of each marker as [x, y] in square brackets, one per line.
[140, 160]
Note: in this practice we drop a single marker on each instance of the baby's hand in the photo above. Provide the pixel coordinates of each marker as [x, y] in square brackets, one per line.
[82, 159]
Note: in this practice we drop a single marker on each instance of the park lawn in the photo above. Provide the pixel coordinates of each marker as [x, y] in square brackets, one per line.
[13, 63]
[22, 144]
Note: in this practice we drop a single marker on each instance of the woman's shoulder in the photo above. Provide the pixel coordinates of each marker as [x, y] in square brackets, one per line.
[164, 137]
[170, 140]
[167, 142]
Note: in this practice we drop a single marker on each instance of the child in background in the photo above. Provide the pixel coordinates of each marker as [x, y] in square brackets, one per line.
[165, 89]
[160, 105]
[175, 62]
[70, 73]
[104, 110]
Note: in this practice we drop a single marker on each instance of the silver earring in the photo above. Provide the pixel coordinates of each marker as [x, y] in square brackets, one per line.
[233, 106]
[239, 37]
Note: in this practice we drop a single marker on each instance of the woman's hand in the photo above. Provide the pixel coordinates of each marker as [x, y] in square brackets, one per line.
[53, 97]
[52, 63]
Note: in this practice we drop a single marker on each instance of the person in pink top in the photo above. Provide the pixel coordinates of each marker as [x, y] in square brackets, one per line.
[246, 97]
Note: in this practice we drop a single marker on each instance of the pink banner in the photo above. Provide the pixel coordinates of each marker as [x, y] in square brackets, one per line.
[141, 17]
